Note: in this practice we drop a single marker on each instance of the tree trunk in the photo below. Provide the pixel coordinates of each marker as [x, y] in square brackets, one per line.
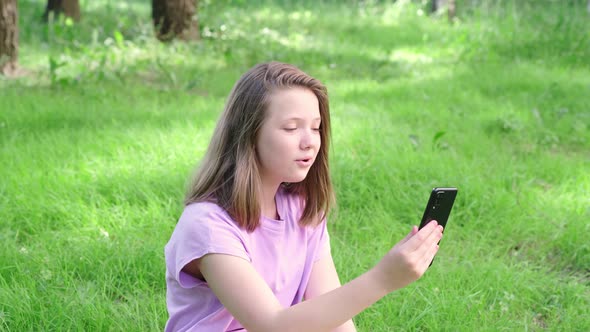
[8, 37]
[70, 8]
[452, 10]
[438, 5]
[175, 18]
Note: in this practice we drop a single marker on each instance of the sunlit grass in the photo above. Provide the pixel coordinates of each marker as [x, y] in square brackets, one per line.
[96, 154]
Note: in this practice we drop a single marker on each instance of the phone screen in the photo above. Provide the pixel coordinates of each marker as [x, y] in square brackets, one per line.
[439, 206]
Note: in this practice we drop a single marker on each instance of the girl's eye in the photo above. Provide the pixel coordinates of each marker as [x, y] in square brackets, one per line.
[316, 129]
[290, 129]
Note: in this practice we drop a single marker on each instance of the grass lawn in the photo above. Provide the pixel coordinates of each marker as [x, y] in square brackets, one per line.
[98, 141]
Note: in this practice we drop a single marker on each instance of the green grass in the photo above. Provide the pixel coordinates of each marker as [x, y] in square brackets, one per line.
[95, 152]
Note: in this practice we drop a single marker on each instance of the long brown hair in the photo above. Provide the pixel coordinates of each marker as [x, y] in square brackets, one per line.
[229, 172]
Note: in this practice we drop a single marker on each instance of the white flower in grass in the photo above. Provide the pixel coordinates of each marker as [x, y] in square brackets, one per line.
[104, 233]
[508, 296]
[504, 307]
[46, 274]
[23, 250]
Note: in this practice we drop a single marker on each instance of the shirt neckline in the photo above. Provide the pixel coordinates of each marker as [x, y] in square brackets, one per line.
[276, 224]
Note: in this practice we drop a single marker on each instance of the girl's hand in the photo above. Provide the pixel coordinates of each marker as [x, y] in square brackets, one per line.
[407, 261]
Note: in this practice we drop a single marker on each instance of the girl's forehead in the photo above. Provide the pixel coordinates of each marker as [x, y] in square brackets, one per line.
[293, 103]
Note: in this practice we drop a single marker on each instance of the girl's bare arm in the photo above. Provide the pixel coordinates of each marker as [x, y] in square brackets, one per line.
[246, 295]
[323, 279]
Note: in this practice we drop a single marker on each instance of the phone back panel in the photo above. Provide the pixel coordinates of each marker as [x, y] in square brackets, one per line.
[439, 206]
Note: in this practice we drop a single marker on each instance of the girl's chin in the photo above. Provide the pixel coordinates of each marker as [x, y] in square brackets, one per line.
[296, 179]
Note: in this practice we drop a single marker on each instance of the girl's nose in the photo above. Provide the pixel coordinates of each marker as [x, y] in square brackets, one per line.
[308, 138]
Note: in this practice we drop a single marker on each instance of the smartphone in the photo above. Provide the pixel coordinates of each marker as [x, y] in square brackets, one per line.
[439, 207]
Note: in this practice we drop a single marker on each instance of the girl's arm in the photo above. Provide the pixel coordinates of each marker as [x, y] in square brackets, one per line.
[323, 279]
[248, 298]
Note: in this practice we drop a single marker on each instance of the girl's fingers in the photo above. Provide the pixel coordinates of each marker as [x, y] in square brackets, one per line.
[423, 235]
[409, 236]
[429, 255]
[433, 239]
[430, 242]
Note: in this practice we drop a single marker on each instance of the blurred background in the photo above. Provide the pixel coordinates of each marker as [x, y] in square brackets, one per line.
[106, 107]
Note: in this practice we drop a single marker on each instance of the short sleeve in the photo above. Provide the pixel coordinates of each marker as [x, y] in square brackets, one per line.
[323, 244]
[203, 228]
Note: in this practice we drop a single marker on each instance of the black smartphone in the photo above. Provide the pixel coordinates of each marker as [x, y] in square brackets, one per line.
[439, 206]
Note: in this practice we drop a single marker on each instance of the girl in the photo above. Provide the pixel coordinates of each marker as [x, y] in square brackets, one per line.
[252, 243]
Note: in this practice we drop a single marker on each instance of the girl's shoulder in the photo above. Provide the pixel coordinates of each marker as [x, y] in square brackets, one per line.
[203, 207]
[205, 212]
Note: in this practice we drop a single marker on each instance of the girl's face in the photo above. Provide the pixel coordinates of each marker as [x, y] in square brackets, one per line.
[289, 139]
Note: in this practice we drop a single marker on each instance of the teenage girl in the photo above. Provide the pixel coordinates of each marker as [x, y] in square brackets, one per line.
[251, 249]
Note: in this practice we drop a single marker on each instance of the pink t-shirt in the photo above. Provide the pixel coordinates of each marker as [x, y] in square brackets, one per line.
[281, 251]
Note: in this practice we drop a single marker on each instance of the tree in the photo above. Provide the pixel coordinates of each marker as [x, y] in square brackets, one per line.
[70, 8]
[175, 18]
[8, 37]
[438, 5]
